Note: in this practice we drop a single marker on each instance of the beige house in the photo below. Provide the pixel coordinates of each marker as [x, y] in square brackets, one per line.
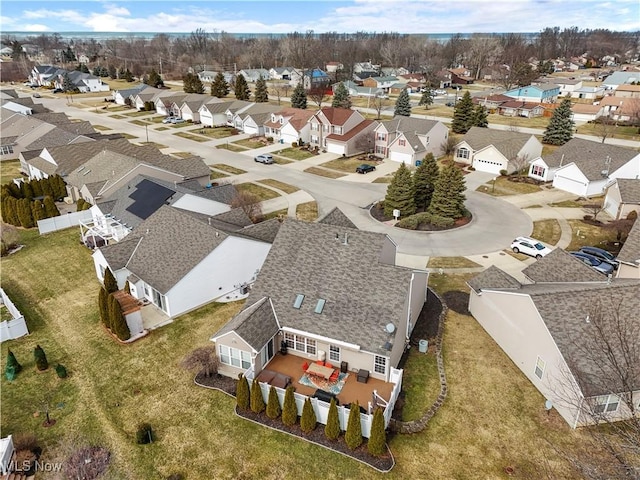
[549, 330]
[407, 139]
[629, 256]
[623, 197]
[341, 131]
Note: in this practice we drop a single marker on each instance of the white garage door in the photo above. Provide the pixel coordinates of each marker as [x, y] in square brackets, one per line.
[569, 185]
[611, 205]
[400, 157]
[488, 166]
[336, 148]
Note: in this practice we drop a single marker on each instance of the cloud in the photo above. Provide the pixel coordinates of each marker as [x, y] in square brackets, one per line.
[36, 27]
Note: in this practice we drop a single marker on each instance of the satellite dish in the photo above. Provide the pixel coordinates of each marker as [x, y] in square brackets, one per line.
[548, 405]
[390, 328]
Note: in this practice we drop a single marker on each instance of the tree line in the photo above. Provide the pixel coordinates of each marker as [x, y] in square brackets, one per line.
[31, 201]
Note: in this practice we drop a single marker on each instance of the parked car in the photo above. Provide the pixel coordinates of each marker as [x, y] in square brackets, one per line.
[530, 246]
[177, 120]
[57, 90]
[602, 255]
[167, 120]
[365, 168]
[596, 263]
[440, 91]
[264, 158]
[450, 104]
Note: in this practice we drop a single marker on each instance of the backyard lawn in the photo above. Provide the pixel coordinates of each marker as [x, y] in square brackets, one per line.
[591, 235]
[547, 231]
[504, 186]
[9, 169]
[217, 132]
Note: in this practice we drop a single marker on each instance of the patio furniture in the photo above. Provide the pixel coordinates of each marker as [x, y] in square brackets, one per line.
[327, 364]
[344, 367]
[363, 375]
[305, 365]
[274, 378]
[320, 371]
[325, 396]
[334, 376]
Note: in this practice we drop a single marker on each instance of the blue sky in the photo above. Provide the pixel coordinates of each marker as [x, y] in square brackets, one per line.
[409, 16]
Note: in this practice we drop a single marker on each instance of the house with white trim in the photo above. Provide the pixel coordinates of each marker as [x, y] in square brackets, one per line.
[289, 125]
[216, 114]
[544, 93]
[629, 255]
[341, 131]
[408, 139]
[623, 197]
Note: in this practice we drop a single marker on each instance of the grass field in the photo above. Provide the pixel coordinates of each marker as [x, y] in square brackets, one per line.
[9, 169]
[294, 153]
[323, 172]
[307, 212]
[190, 136]
[249, 143]
[587, 234]
[228, 169]
[218, 132]
[347, 165]
[503, 186]
[231, 147]
[547, 231]
[285, 187]
[451, 262]
[262, 193]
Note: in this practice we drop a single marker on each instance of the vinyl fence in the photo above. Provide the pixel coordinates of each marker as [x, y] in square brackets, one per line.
[16, 327]
[61, 222]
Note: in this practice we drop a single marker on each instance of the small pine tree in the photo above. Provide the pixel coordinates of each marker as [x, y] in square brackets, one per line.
[192, 84]
[241, 89]
[127, 287]
[154, 79]
[448, 195]
[37, 211]
[341, 97]
[12, 361]
[403, 104]
[10, 211]
[242, 393]
[289, 408]
[261, 95]
[424, 180]
[560, 128]
[353, 435]
[426, 99]
[257, 402]
[110, 282]
[480, 118]
[299, 97]
[103, 306]
[117, 321]
[24, 213]
[27, 190]
[36, 187]
[41, 358]
[47, 187]
[273, 404]
[61, 371]
[219, 86]
[400, 193]
[463, 114]
[50, 208]
[332, 428]
[59, 187]
[377, 437]
[308, 420]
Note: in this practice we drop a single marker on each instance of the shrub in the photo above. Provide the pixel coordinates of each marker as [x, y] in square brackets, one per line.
[294, 144]
[632, 215]
[273, 404]
[61, 371]
[378, 437]
[353, 436]
[242, 393]
[503, 173]
[175, 476]
[289, 408]
[40, 358]
[270, 139]
[12, 361]
[410, 223]
[444, 222]
[332, 428]
[257, 402]
[308, 420]
[144, 434]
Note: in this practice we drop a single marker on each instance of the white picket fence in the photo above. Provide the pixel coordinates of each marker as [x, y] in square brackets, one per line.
[16, 327]
[61, 222]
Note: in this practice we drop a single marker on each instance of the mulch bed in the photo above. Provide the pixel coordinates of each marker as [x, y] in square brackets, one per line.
[377, 212]
[228, 385]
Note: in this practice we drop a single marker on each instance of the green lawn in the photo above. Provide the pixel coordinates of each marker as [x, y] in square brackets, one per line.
[231, 147]
[141, 123]
[323, 172]
[451, 262]
[217, 132]
[547, 231]
[249, 143]
[294, 153]
[9, 169]
[504, 186]
[587, 234]
[347, 165]
[262, 193]
[138, 113]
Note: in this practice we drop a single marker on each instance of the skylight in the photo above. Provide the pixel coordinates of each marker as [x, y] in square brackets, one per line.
[298, 301]
[320, 305]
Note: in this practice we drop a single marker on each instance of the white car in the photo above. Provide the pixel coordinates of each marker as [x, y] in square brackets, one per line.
[441, 92]
[530, 246]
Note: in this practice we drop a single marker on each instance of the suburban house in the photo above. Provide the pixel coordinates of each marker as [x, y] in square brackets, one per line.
[623, 197]
[461, 76]
[341, 131]
[215, 114]
[356, 90]
[408, 139]
[583, 112]
[588, 93]
[84, 82]
[492, 151]
[444, 78]
[140, 100]
[280, 73]
[567, 85]
[170, 104]
[548, 331]
[627, 91]
[252, 75]
[299, 305]
[381, 83]
[44, 75]
[518, 108]
[544, 93]
[289, 125]
[251, 120]
[587, 168]
[616, 79]
[629, 255]
[179, 260]
[311, 79]
[207, 76]
[492, 102]
[621, 109]
[126, 95]
[333, 67]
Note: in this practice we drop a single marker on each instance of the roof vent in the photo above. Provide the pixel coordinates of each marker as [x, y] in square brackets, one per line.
[588, 320]
[390, 328]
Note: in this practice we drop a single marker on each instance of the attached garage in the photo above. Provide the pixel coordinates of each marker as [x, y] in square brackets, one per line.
[401, 157]
[570, 179]
[337, 148]
[489, 166]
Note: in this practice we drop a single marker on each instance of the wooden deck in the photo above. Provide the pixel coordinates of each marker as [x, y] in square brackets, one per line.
[291, 365]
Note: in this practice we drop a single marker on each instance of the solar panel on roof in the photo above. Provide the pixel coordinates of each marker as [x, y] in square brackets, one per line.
[147, 198]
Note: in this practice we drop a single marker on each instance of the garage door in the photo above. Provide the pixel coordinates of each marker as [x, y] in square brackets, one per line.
[488, 166]
[336, 148]
[400, 157]
[611, 205]
[569, 185]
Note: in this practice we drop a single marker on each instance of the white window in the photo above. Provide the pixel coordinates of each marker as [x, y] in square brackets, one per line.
[380, 364]
[334, 353]
[539, 371]
[538, 170]
[234, 357]
[300, 343]
[6, 149]
[462, 153]
[606, 404]
[337, 130]
[382, 137]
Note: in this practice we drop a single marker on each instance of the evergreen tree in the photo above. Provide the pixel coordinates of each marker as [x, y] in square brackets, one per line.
[377, 437]
[127, 287]
[403, 104]
[37, 211]
[112, 312]
[10, 211]
[332, 428]
[273, 404]
[341, 97]
[110, 282]
[118, 323]
[219, 86]
[480, 118]
[257, 402]
[400, 193]
[128, 76]
[353, 435]
[261, 95]
[82, 68]
[448, 195]
[50, 208]
[24, 213]
[299, 97]
[40, 358]
[424, 180]
[308, 419]
[560, 128]
[242, 393]
[241, 89]
[61, 371]
[59, 187]
[121, 73]
[68, 55]
[27, 190]
[68, 85]
[47, 187]
[113, 73]
[427, 98]
[12, 361]
[36, 187]
[103, 307]
[289, 408]
[192, 84]
[154, 79]
[463, 114]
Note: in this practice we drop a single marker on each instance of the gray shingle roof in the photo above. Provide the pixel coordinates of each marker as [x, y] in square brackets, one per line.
[493, 278]
[560, 266]
[401, 123]
[118, 254]
[256, 324]
[629, 190]
[506, 142]
[630, 251]
[362, 294]
[590, 157]
[337, 218]
[265, 231]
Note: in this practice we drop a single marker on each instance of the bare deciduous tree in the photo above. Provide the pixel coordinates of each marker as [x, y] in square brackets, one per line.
[317, 95]
[203, 359]
[594, 209]
[250, 205]
[378, 103]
